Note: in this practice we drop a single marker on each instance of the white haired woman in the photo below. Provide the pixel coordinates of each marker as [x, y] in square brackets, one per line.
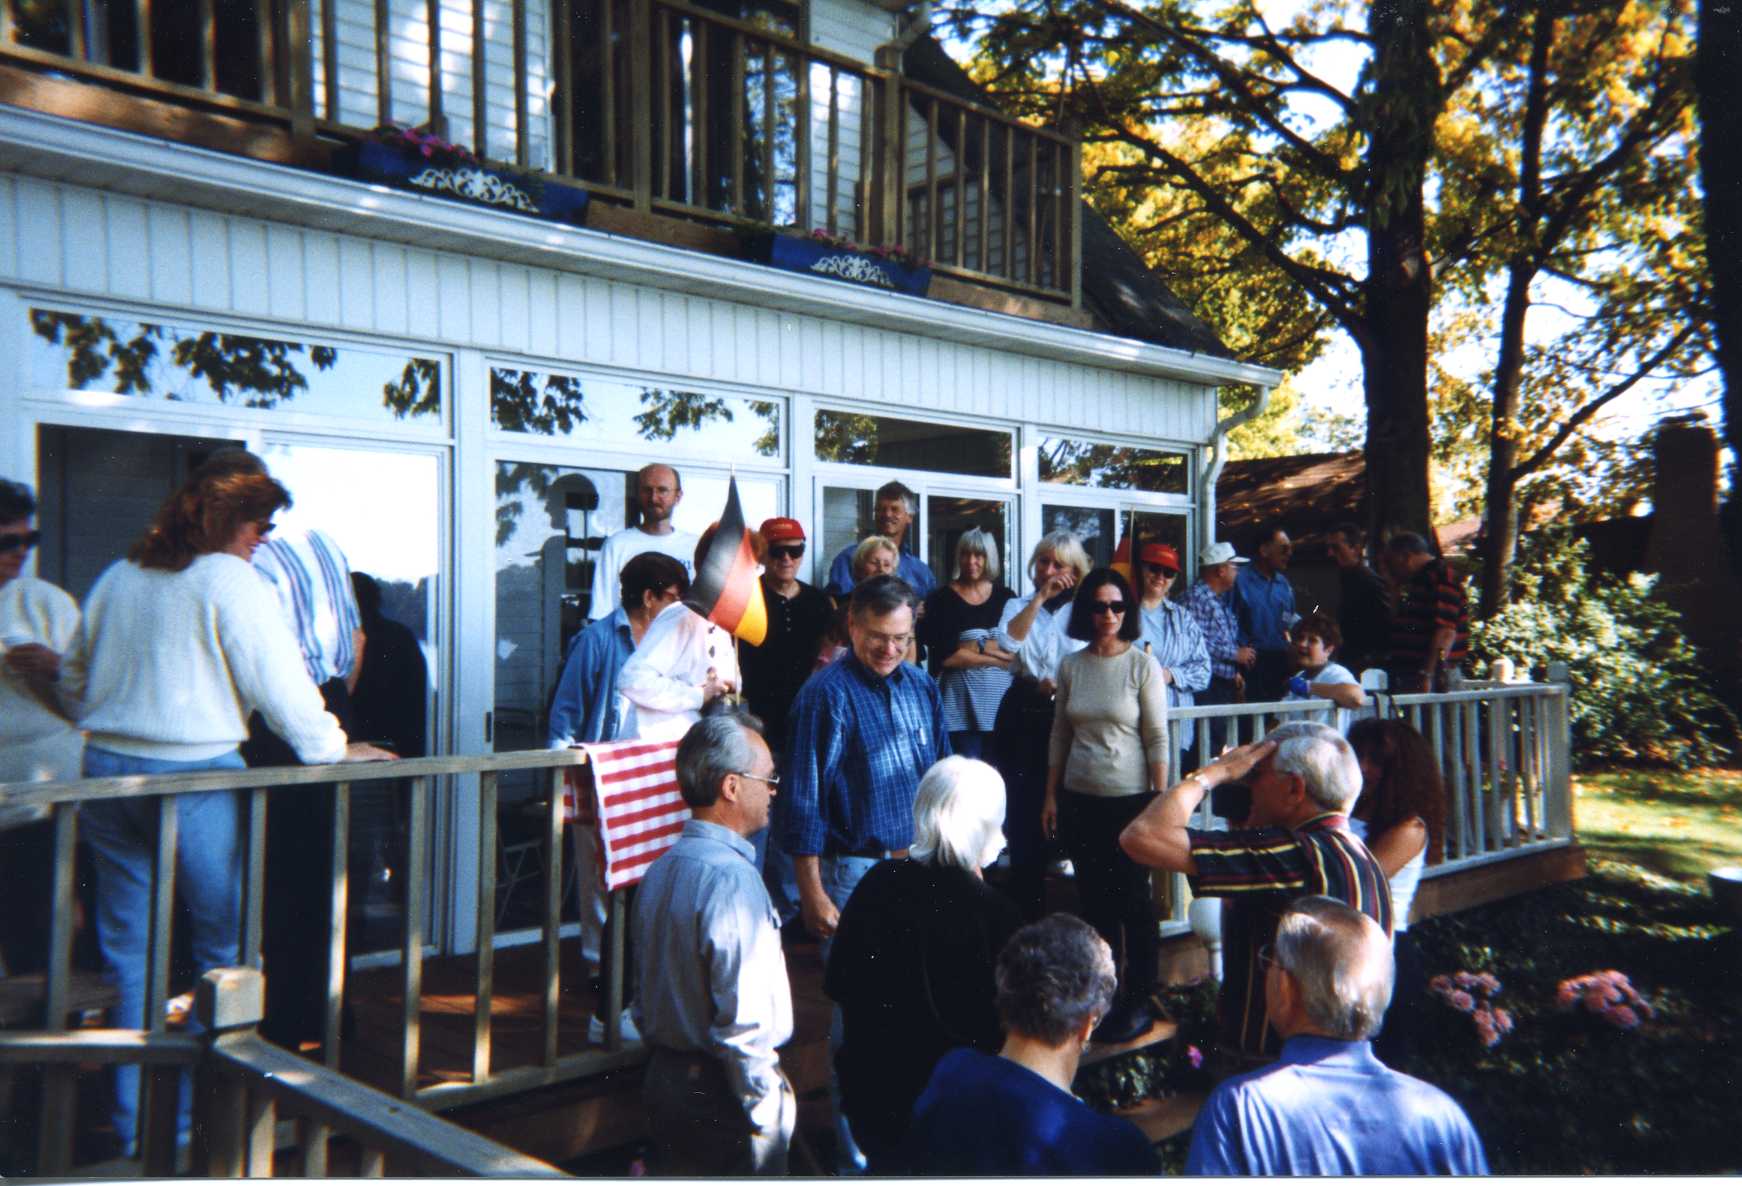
[960, 633]
[914, 954]
[1032, 629]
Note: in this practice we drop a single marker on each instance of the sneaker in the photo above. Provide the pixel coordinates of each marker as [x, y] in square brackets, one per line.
[596, 1029]
[1062, 869]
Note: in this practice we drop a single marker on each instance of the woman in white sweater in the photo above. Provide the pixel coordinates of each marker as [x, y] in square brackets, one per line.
[1106, 760]
[179, 643]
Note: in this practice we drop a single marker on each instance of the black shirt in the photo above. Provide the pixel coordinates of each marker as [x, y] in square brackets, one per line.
[1364, 617]
[947, 615]
[776, 670]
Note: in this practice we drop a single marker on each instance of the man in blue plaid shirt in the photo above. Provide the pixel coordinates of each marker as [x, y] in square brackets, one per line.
[1211, 601]
[862, 731]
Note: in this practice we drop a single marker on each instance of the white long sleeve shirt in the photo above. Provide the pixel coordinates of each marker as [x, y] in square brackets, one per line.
[1038, 655]
[35, 743]
[663, 679]
[170, 664]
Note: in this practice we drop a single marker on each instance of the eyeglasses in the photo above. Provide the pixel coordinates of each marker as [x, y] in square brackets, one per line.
[786, 551]
[263, 526]
[772, 780]
[1267, 957]
[1109, 607]
[13, 543]
[1158, 571]
[893, 642]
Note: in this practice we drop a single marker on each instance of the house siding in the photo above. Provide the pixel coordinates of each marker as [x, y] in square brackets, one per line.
[99, 245]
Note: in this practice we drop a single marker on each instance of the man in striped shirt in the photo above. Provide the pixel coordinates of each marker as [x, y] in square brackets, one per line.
[1295, 840]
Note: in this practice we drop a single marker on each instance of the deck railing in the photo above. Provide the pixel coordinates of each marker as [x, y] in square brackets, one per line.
[59, 803]
[1503, 749]
[659, 105]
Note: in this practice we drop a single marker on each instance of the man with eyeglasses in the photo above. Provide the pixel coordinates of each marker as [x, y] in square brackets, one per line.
[1302, 779]
[658, 490]
[712, 996]
[798, 616]
[864, 730]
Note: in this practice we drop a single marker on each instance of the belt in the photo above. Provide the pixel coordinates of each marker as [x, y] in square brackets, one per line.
[875, 854]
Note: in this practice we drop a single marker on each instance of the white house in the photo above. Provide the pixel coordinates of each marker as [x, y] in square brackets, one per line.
[461, 393]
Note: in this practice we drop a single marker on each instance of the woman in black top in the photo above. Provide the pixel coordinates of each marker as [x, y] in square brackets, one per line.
[914, 954]
[960, 631]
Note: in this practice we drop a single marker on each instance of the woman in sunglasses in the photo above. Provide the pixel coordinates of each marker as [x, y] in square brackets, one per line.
[38, 622]
[1107, 759]
[1171, 633]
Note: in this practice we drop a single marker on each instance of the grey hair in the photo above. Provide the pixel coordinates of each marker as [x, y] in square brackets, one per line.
[1343, 963]
[980, 542]
[1322, 758]
[870, 544]
[1052, 976]
[881, 595]
[715, 746]
[1065, 548]
[899, 490]
[958, 814]
[1408, 543]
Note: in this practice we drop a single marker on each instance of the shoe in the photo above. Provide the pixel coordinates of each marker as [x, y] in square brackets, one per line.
[1123, 1023]
[596, 1029]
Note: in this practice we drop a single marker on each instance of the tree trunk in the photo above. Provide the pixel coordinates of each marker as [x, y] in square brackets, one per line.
[1719, 82]
[1402, 100]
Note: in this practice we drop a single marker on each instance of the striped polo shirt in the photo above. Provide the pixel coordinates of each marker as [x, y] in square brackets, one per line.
[1259, 871]
[309, 573]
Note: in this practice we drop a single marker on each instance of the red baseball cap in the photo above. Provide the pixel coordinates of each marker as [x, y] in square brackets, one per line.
[1160, 555]
[777, 531]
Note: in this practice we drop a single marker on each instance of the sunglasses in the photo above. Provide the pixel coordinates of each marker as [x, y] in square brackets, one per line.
[786, 551]
[1109, 607]
[13, 543]
[1169, 573]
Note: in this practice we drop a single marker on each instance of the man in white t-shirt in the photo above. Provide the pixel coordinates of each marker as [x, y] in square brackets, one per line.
[1315, 640]
[658, 490]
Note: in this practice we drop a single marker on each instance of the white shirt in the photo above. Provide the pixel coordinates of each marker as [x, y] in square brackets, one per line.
[169, 665]
[619, 548]
[663, 679]
[1038, 655]
[35, 743]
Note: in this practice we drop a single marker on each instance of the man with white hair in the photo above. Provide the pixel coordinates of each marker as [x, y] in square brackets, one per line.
[1328, 1106]
[1302, 779]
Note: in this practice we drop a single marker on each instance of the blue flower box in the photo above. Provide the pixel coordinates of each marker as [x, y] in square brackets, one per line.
[468, 181]
[815, 258]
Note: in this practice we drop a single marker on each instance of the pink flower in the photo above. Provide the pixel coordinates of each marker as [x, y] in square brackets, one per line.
[1195, 1057]
[1567, 995]
[1596, 1000]
[1440, 984]
[1621, 1017]
[1503, 1021]
[1462, 1001]
[1486, 1030]
[638, 1168]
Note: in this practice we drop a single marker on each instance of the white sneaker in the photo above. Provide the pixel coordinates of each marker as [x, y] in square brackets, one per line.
[596, 1029]
[1063, 869]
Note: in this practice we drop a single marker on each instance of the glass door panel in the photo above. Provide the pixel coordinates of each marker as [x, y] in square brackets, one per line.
[1154, 527]
[950, 516]
[1094, 526]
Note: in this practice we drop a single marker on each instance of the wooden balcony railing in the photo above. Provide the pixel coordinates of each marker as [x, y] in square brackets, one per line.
[662, 105]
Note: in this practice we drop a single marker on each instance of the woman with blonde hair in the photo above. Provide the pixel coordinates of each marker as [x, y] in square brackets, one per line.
[1032, 629]
[960, 633]
[180, 642]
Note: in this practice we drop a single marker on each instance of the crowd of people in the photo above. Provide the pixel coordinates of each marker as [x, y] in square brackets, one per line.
[852, 779]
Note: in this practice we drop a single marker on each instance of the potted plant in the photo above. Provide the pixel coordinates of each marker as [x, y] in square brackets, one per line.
[818, 253]
[420, 161]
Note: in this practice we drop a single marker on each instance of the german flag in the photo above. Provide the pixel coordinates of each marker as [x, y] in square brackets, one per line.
[1122, 564]
[725, 590]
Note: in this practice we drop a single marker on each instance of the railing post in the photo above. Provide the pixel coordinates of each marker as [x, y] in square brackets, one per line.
[890, 155]
[227, 1001]
[641, 102]
[1073, 185]
[1557, 720]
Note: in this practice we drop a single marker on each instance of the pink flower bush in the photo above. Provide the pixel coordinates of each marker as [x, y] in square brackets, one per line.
[1195, 1057]
[1608, 995]
[1472, 993]
[895, 252]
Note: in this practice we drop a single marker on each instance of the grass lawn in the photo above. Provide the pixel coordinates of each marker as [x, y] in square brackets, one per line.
[1675, 824]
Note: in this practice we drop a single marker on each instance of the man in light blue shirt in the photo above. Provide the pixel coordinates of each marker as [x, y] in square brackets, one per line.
[712, 996]
[1327, 1106]
[892, 511]
[1264, 604]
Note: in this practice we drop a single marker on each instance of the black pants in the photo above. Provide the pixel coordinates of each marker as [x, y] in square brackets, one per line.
[298, 912]
[1268, 679]
[1220, 691]
[1020, 736]
[1402, 1034]
[1113, 888]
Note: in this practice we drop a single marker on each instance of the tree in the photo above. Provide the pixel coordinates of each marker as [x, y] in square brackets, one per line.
[1562, 163]
[1720, 103]
[1203, 102]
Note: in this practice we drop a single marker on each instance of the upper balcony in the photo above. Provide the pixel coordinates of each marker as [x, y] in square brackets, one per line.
[682, 122]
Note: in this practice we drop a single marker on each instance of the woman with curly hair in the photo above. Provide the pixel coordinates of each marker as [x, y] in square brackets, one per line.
[1401, 815]
[180, 642]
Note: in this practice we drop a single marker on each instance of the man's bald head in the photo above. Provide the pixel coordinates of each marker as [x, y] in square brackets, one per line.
[1340, 961]
[658, 490]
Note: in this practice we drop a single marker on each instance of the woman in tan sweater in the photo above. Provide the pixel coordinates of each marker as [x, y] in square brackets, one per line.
[1107, 760]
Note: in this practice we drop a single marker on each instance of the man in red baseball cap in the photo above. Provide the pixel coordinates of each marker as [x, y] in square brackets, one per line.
[798, 615]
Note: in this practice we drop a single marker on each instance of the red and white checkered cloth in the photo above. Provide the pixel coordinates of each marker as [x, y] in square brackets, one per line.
[635, 802]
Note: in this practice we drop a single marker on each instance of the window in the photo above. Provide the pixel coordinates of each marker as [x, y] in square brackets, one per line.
[185, 364]
[617, 412]
[1113, 467]
[849, 438]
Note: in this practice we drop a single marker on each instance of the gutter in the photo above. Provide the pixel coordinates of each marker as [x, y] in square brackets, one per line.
[916, 25]
[1219, 458]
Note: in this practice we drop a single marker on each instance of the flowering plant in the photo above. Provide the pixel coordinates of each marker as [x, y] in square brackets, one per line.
[1473, 993]
[426, 144]
[1609, 995]
[896, 253]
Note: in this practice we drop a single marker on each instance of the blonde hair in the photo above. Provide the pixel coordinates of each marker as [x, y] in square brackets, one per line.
[1065, 549]
[978, 542]
[869, 546]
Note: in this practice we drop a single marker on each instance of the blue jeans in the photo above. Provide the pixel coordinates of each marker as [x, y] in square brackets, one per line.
[841, 876]
[208, 879]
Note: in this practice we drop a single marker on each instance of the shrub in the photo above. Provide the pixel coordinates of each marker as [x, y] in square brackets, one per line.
[1639, 692]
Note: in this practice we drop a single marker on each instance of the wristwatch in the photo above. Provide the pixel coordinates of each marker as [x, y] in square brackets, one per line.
[981, 643]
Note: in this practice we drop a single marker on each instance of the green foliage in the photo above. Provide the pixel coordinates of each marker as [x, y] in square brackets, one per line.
[1639, 692]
